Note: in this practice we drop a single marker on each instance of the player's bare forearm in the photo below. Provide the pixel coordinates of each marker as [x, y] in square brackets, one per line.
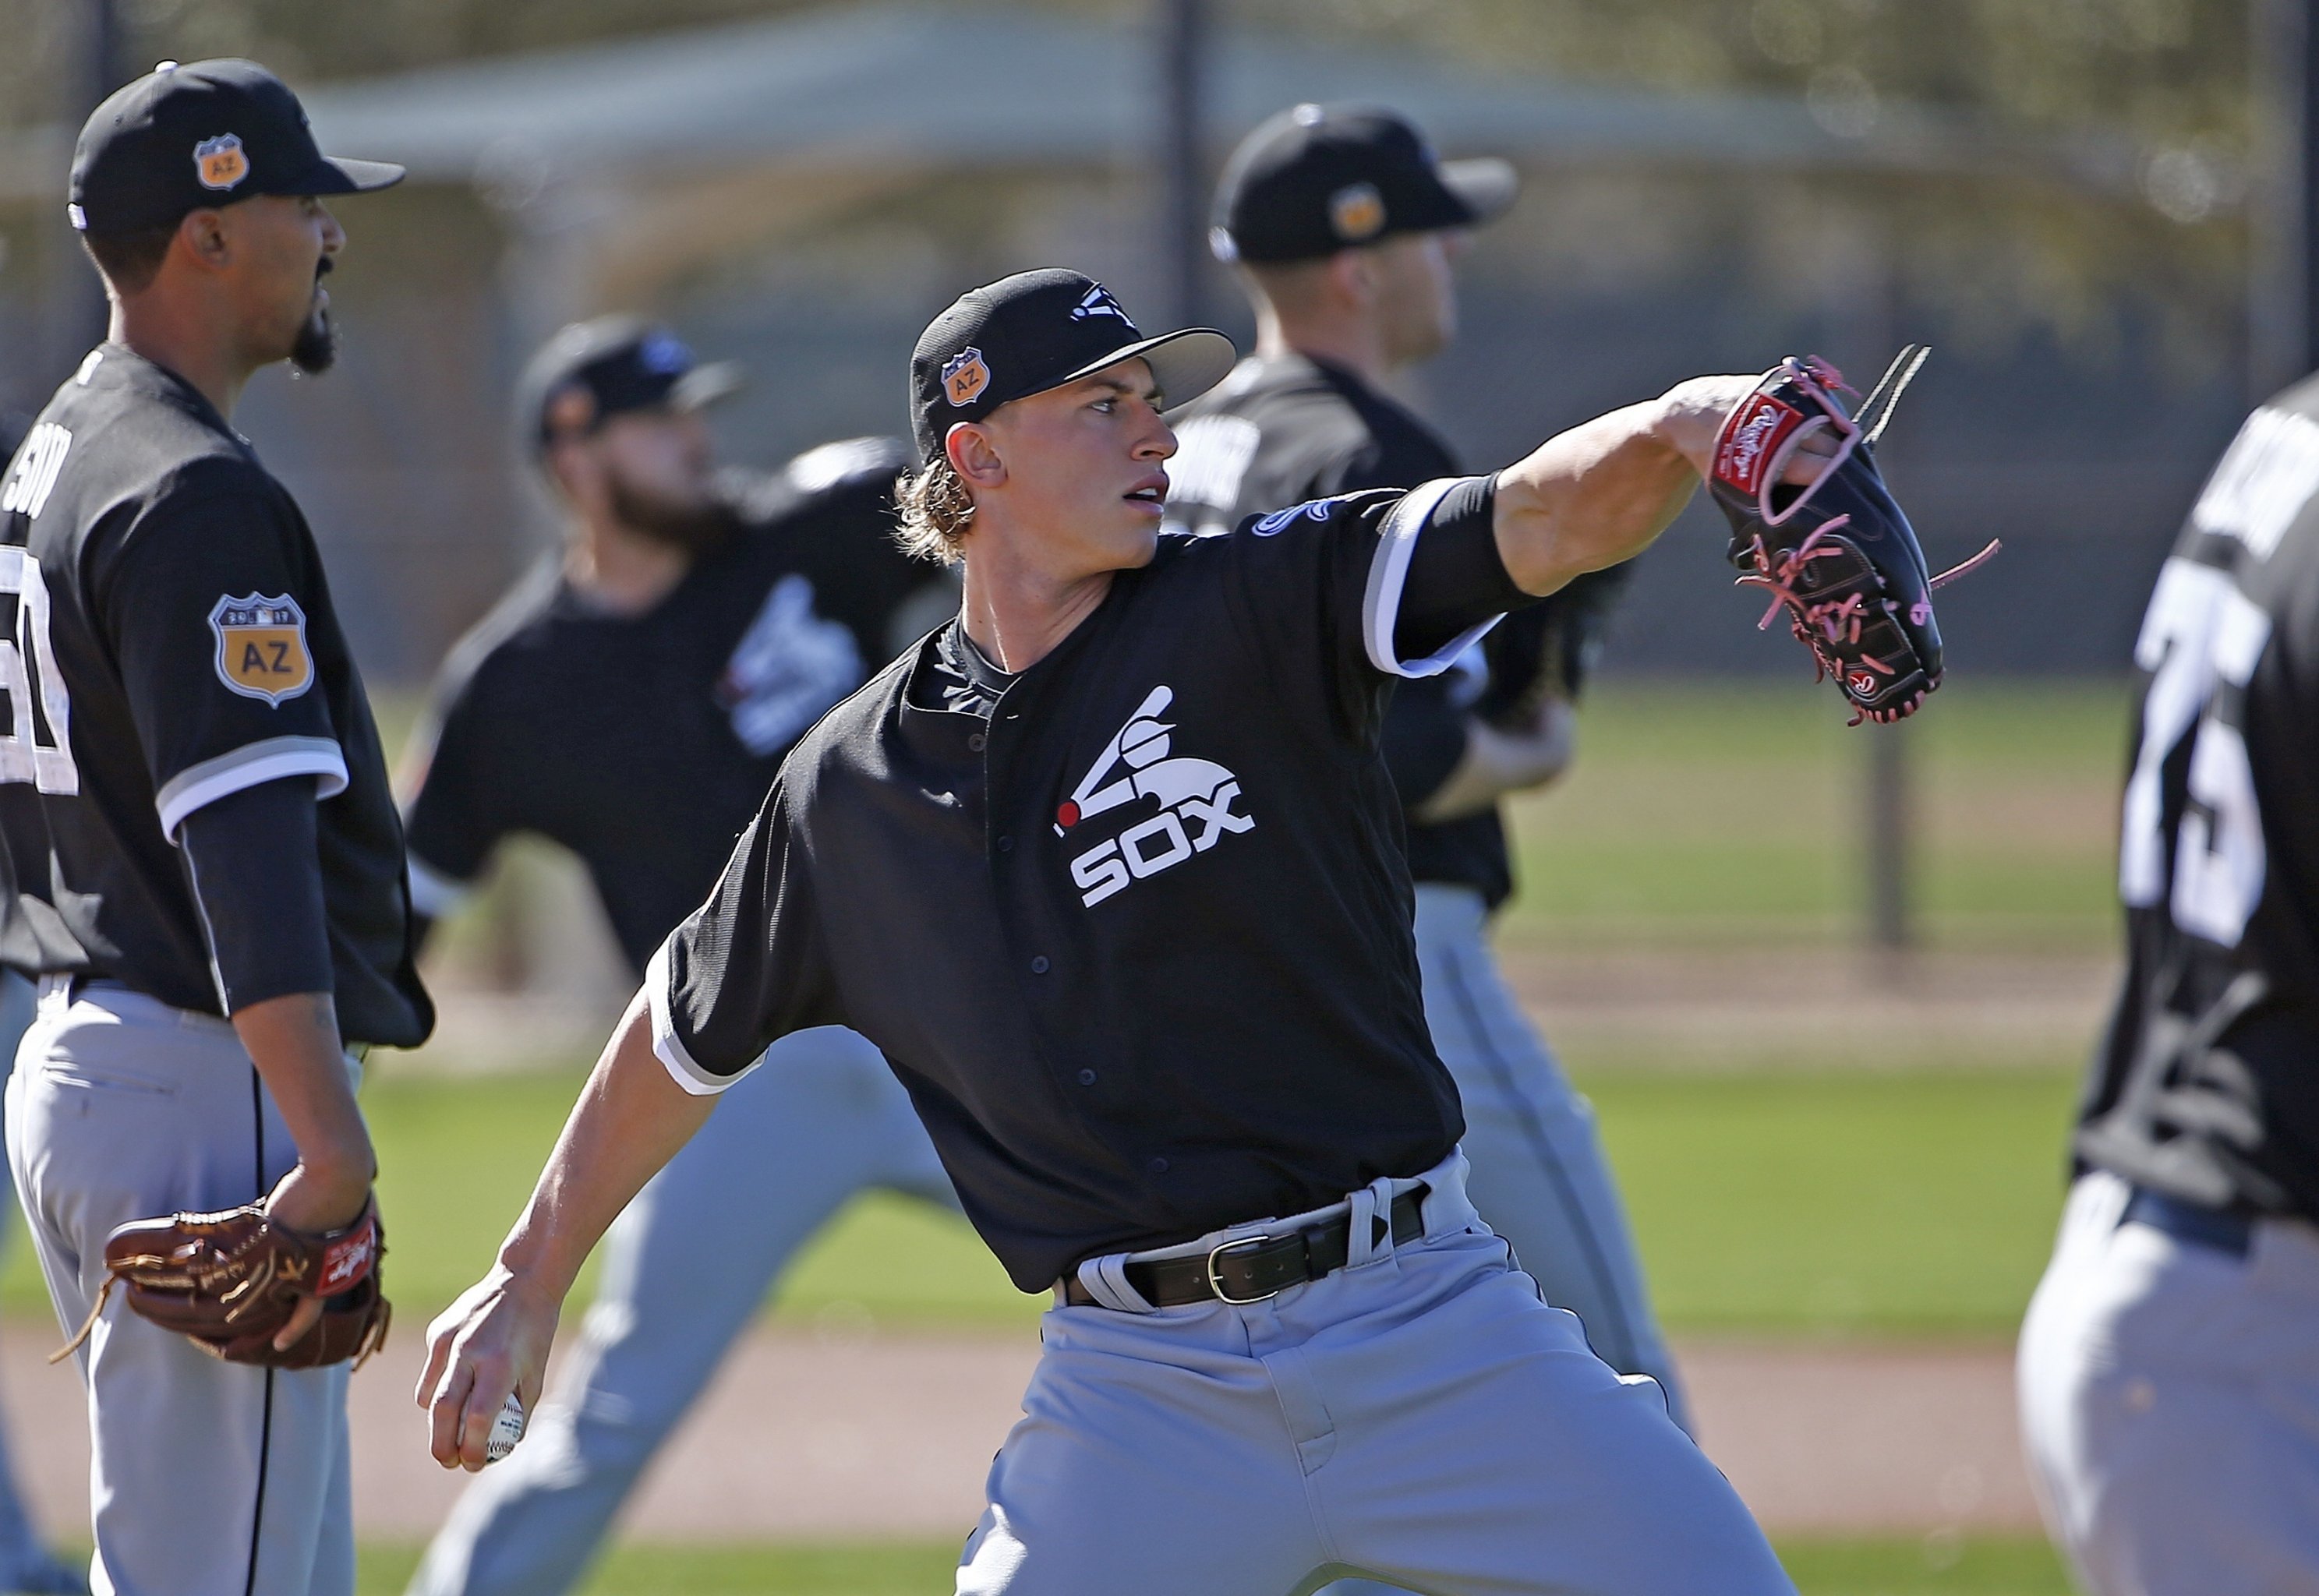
[294, 1042]
[630, 1119]
[1602, 491]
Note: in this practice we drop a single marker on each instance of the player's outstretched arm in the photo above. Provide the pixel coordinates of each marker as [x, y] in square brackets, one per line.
[631, 1119]
[1602, 491]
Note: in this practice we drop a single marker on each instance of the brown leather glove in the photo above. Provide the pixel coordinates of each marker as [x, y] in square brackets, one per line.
[230, 1281]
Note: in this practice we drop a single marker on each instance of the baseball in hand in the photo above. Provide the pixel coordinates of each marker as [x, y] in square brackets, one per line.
[507, 1430]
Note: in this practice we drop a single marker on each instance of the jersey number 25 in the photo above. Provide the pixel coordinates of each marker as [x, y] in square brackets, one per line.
[2200, 639]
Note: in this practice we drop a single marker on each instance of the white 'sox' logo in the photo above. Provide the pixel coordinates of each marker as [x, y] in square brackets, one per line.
[1194, 795]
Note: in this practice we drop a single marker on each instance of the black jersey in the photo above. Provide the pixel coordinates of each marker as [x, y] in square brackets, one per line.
[2206, 1086]
[1137, 939]
[174, 644]
[643, 743]
[1289, 429]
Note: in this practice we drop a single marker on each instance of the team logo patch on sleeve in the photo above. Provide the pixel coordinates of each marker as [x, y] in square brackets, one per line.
[262, 646]
[221, 162]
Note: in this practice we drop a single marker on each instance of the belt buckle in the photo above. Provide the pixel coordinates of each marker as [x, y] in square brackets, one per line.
[1215, 1283]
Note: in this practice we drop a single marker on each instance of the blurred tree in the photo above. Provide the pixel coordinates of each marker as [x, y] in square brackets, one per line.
[307, 43]
[2166, 82]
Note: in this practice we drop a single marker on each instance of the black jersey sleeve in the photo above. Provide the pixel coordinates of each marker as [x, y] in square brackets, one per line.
[252, 861]
[205, 605]
[1334, 578]
[749, 967]
[453, 803]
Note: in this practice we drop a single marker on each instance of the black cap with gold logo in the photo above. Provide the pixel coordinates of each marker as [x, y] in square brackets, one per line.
[1036, 330]
[204, 133]
[1316, 179]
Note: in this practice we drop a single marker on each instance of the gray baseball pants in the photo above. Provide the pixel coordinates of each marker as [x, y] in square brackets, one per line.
[2169, 1404]
[208, 1478]
[1539, 1176]
[1420, 1417]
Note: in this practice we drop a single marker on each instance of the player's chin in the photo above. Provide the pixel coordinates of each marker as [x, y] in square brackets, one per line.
[1134, 543]
[314, 348]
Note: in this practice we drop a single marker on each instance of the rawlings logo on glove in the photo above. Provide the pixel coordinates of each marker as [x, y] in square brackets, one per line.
[1836, 553]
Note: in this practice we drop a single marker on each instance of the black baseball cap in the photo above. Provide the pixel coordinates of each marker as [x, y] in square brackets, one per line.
[1036, 330]
[204, 133]
[1316, 179]
[591, 370]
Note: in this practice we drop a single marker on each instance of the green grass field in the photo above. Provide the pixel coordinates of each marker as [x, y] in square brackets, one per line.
[1698, 814]
[1908, 1203]
[1933, 1568]
[1917, 1202]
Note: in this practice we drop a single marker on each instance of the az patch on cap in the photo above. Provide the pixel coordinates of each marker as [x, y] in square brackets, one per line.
[965, 376]
[1357, 211]
[262, 646]
[219, 162]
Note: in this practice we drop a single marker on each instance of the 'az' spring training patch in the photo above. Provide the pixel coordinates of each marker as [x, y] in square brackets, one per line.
[261, 649]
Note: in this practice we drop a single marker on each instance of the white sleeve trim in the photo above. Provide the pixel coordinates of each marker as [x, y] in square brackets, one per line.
[669, 1048]
[1389, 573]
[269, 759]
[432, 893]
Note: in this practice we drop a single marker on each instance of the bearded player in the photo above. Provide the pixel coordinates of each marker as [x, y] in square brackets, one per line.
[631, 701]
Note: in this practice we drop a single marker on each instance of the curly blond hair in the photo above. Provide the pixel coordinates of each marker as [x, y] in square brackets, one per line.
[936, 511]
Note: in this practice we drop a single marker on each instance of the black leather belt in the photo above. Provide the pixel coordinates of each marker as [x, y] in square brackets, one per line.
[1253, 1267]
[2218, 1227]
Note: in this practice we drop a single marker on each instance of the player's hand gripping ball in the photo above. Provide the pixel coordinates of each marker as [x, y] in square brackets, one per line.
[507, 1430]
[1835, 552]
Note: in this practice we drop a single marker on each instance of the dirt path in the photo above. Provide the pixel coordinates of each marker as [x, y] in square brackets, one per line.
[1700, 1007]
[811, 1437]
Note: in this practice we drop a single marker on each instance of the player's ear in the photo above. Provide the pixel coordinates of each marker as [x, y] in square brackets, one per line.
[974, 456]
[1352, 278]
[205, 237]
[569, 469]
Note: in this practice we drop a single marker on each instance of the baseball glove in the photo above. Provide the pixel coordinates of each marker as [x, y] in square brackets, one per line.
[1836, 553]
[230, 1281]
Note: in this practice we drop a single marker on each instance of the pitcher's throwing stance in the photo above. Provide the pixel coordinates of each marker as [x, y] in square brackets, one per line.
[1110, 872]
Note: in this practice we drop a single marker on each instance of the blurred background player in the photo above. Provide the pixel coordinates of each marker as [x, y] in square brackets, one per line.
[205, 853]
[2170, 1361]
[631, 701]
[1345, 228]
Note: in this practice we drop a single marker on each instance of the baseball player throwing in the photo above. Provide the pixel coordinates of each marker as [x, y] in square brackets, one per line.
[632, 700]
[1109, 869]
[2168, 1367]
[1345, 229]
[205, 853]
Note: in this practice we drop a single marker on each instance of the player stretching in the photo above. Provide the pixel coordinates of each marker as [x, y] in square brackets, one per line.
[1110, 870]
[632, 700]
[1345, 229]
[197, 815]
[2170, 1363]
